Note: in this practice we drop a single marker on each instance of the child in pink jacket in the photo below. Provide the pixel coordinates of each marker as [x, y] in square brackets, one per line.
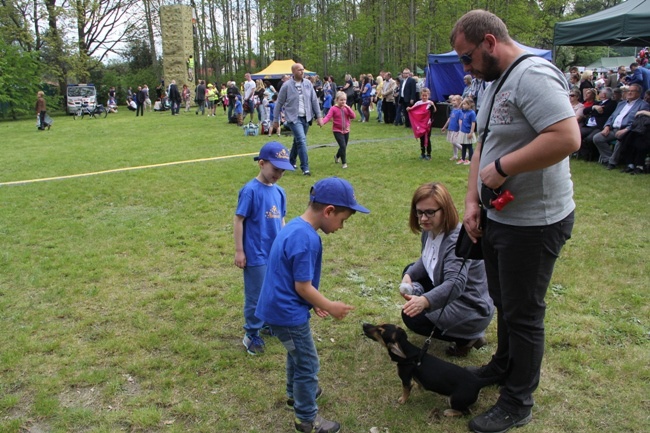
[340, 115]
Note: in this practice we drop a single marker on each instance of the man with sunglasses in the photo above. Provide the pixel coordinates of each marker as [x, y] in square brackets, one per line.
[527, 130]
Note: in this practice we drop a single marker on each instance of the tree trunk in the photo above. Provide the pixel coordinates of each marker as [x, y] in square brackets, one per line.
[152, 42]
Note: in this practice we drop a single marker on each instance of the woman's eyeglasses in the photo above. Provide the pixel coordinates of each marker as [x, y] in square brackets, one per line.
[430, 213]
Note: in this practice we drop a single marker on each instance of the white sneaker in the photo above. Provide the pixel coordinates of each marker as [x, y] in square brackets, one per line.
[344, 166]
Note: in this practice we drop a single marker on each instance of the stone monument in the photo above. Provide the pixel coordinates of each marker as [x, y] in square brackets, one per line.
[177, 44]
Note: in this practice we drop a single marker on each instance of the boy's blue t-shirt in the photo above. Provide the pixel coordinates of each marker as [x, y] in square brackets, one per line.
[239, 109]
[327, 102]
[263, 207]
[468, 117]
[454, 117]
[296, 255]
[271, 108]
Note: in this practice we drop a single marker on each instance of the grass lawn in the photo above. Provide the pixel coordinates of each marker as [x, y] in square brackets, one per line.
[121, 308]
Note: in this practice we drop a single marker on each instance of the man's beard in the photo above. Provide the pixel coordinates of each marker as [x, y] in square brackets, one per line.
[490, 70]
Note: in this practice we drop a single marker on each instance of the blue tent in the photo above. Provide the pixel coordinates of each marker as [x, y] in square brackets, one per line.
[445, 72]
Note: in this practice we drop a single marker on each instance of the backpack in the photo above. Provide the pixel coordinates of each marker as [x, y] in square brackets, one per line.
[251, 129]
[265, 126]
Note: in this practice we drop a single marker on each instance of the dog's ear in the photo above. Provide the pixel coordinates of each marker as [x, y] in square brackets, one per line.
[396, 349]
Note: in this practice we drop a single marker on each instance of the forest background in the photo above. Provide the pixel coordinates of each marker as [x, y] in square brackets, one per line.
[47, 44]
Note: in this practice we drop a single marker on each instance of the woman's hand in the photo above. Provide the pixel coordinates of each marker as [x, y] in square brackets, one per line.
[414, 305]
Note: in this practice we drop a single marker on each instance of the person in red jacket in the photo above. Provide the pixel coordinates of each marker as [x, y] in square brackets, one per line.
[340, 115]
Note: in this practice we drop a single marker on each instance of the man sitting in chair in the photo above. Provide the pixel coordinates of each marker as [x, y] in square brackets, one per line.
[619, 124]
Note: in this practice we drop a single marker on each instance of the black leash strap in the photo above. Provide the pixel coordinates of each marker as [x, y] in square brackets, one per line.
[427, 342]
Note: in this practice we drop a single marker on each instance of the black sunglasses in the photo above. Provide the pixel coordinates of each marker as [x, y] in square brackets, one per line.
[466, 59]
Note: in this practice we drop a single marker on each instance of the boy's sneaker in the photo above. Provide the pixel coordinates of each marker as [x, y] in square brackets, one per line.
[318, 425]
[290, 401]
[266, 330]
[467, 162]
[460, 161]
[344, 166]
[254, 344]
[497, 420]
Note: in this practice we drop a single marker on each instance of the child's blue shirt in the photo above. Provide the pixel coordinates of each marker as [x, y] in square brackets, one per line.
[239, 109]
[263, 207]
[327, 102]
[454, 118]
[467, 117]
[296, 255]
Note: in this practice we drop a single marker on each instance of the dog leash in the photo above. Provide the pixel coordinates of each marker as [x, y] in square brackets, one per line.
[427, 342]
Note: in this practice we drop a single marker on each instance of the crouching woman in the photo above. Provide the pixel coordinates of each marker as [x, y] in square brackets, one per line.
[444, 296]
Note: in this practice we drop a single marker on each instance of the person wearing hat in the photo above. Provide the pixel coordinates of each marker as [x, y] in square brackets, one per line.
[261, 208]
[291, 290]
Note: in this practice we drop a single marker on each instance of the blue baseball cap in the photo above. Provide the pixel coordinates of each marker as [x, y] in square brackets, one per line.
[275, 153]
[337, 192]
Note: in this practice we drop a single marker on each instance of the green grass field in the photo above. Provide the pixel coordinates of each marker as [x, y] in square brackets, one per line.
[120, 305]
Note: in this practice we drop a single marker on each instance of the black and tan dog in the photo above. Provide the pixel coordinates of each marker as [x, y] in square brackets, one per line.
[433, 374]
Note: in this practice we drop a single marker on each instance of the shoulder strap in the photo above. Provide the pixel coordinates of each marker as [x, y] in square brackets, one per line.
[486, 130]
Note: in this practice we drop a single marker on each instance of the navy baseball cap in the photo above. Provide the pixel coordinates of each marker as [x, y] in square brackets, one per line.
[276, 154]
[337, 192]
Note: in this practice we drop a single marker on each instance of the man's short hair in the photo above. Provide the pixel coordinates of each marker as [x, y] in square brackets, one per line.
[478, 23]
[638, 87]
[634, 65]
[607, 91]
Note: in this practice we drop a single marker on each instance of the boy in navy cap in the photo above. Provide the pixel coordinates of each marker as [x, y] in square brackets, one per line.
[261, 208]
[291, 289]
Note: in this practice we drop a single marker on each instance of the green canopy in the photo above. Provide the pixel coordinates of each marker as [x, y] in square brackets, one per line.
[626, 24]
[610, 63]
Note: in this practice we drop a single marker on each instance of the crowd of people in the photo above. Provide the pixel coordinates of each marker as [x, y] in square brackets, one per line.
[524, 147]
[613, 113]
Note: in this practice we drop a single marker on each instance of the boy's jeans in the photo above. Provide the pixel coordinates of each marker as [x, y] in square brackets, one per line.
[302, 368]
[253, 279]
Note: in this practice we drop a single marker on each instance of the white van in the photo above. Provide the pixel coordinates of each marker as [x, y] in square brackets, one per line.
[79, 94]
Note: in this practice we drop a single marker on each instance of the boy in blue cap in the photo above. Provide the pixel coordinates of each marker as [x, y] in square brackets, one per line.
[291, 289]
[261, 208]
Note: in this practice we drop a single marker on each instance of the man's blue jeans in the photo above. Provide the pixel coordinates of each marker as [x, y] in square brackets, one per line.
[253, 279]
[302, 368]
[519, 264]
[231, 107]
[299, 148]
